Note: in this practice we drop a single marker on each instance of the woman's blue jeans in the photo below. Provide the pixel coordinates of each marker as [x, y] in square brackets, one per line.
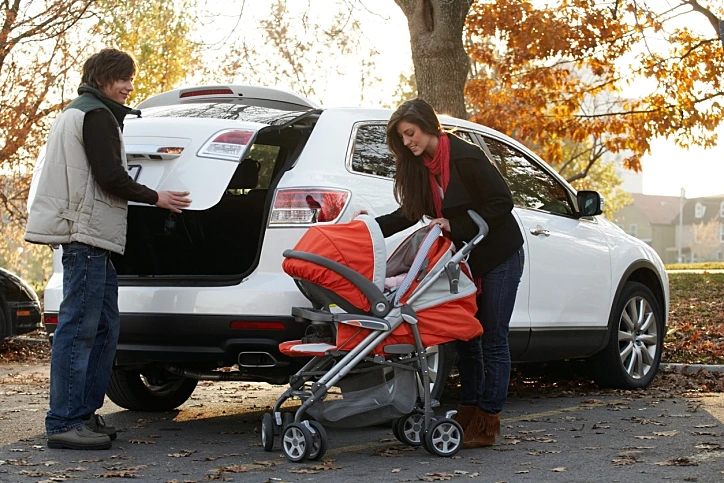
[84, 343]
[484, 362]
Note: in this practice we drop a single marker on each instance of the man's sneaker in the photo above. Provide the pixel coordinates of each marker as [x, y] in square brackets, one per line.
[79, 438]
[97, 424]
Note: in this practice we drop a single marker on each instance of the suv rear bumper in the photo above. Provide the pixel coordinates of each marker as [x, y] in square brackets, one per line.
[209, 341]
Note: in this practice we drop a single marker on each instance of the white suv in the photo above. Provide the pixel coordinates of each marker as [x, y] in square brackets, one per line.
[205, 290]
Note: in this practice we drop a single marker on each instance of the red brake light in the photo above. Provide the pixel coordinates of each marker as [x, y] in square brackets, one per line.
[50, 319]
[305, 206]
[229, 145]
[234, 137]
[206, 92]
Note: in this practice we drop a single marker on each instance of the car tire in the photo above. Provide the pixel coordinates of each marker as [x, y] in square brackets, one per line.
[5, 328]
[443, 364]
[636, 339]
[130, 389]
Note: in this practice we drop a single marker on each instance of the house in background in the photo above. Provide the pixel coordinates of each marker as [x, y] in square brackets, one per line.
[652, 219]
[703, 229]
[655, 220]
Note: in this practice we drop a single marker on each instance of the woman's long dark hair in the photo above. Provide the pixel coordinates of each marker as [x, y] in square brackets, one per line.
[412, 183]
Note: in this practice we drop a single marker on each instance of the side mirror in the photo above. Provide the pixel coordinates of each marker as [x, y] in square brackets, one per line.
[590, 203]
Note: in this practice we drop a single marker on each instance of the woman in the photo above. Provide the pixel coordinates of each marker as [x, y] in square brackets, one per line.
[442, 176]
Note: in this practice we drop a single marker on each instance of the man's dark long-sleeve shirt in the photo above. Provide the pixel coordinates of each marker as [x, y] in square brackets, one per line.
[102, 142]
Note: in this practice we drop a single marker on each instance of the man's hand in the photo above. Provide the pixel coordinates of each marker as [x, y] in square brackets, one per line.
[173, 200]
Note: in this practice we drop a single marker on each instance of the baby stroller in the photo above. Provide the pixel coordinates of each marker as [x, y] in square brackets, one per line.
[368, 339]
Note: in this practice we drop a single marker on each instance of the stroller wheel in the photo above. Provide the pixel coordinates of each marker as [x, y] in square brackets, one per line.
[444, 438]
[395, 430]
[319, 440]
[296, 442]
[409, 428]
[267, 432]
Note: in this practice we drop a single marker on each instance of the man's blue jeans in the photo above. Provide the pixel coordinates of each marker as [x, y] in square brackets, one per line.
[84, 343]
[484, 362]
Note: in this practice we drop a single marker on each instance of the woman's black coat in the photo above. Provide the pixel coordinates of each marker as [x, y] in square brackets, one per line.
[474, 184]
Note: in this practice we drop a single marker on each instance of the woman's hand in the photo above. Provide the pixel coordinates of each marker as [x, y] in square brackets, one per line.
[444, 223]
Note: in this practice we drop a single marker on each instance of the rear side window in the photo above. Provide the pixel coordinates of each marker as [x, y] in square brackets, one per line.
[370, 155]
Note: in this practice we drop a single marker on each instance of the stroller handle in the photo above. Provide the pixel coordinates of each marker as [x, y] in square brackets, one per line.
[483, 228]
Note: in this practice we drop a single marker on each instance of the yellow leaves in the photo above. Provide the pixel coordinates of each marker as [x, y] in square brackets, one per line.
[567, 73]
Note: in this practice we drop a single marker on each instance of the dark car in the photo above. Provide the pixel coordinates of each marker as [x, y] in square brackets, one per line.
[19, 306]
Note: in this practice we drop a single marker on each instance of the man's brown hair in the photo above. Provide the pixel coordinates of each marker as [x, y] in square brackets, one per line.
[107, 66]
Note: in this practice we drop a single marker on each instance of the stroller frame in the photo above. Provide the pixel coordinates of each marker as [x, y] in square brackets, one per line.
[304, 439]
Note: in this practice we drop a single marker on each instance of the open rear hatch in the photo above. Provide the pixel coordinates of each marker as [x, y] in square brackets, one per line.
[229, 157]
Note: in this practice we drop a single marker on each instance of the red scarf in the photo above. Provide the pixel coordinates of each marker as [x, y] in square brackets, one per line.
[439, 165]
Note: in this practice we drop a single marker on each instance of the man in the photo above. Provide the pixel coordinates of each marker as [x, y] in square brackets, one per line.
[79, 199]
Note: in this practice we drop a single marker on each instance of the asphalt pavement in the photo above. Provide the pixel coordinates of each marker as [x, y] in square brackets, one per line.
[548, 435]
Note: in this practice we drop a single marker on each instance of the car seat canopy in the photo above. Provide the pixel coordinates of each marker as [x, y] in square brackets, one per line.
[358, 245]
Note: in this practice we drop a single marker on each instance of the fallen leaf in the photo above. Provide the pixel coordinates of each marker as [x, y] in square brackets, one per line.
[645, 437]
[436, 477]
[559, 469]
[233, 469]
[709, 446]
[666, 433]
[183, 453]
[138, 441]
[327, 465]
[522, 472]
[117, 474]
[396, 470]
[683, 461]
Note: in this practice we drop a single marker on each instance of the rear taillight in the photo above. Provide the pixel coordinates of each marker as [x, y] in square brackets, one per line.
[305, 206]
[229, 145]
[50, 319]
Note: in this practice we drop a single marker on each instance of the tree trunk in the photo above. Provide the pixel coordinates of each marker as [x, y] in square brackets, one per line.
[439, 58]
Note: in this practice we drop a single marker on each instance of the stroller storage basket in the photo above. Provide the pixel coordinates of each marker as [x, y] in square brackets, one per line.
[374, 397]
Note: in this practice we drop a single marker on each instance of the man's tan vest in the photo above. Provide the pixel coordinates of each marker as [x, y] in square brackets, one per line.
[65, 203]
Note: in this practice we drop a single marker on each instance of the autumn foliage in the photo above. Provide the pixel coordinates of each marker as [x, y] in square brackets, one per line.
[696, 319]
[577, 79]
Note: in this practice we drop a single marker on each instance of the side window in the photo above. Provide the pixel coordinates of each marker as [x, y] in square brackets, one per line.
[463, 135]
[532, 186]
[370, 155]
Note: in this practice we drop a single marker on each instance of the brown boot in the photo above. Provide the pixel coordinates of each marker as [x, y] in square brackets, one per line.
[464, 415]
[482, 430]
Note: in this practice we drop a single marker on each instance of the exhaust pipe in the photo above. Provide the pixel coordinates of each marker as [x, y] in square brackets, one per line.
[215, 375]
[258, 359]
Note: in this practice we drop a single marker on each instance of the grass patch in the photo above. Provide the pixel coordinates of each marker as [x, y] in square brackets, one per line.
[696, 319]
[696, 266]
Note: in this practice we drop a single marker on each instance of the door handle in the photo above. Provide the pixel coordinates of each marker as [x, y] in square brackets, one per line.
[540, 231]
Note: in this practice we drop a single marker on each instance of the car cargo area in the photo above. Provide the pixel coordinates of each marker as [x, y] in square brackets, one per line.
[223, 240]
